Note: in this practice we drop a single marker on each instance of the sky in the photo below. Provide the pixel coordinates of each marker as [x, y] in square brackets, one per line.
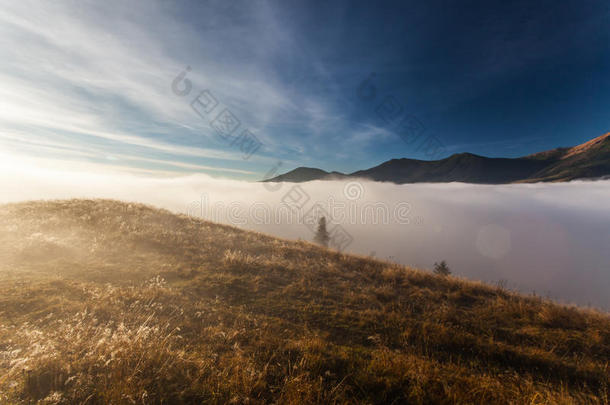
[268, 86]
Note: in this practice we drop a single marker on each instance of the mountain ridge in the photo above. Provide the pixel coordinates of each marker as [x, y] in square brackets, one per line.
[588, 160]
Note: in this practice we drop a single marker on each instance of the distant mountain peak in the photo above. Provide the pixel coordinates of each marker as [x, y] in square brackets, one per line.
[302, 174]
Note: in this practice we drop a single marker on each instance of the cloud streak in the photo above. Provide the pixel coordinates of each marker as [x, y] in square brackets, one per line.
[101, 74]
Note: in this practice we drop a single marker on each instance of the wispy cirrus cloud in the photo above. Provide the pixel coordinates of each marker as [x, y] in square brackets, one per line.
[98, 76]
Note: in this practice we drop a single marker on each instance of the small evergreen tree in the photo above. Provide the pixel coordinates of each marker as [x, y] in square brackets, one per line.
[442, 269]
[322, 237]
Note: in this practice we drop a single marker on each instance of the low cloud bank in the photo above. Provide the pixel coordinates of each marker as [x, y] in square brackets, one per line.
[552, 239]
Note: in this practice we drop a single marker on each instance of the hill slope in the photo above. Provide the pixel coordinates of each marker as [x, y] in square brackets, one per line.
[107, 302]
[302, 174]
[589, 160]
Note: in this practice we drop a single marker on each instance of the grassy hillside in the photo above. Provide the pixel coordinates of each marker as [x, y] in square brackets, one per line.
[105, 302]
[589, 160]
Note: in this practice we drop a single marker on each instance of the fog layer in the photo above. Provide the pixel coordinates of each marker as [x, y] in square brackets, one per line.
[551, 239]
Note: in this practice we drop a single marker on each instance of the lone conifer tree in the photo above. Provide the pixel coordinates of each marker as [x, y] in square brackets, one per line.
[442, 269]
[322, 237]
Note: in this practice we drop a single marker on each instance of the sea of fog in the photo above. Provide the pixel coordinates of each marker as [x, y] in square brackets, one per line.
[551, 239]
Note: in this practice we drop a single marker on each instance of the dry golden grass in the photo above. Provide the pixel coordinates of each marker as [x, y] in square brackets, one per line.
[105, 302]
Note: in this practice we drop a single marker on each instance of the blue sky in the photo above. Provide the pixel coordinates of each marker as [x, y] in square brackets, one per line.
[92, 81]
